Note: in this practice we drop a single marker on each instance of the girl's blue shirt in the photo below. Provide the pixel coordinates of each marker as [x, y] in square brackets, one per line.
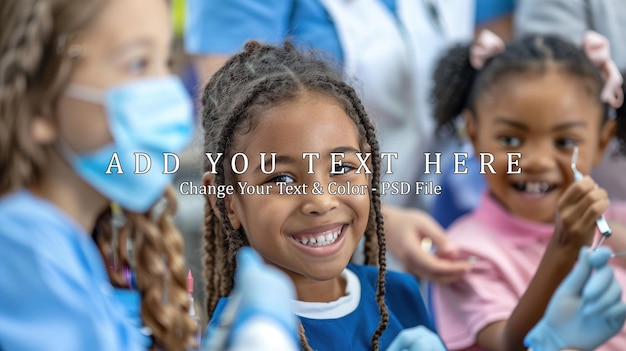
[54, 292]
[354, 330]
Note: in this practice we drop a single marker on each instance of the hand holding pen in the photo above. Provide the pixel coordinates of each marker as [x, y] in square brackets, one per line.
[601, 222]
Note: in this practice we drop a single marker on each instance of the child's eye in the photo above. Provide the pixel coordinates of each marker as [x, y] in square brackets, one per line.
[342, 169]
[282, 178]
[138, 66]
[510, 141]
[566, 143]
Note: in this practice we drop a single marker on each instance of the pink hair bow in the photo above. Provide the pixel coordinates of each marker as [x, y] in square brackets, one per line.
[486, 45]
[598, 50]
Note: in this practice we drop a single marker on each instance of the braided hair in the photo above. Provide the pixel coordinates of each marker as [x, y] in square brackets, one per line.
[26, 88]
[458, 86]
[258, 78]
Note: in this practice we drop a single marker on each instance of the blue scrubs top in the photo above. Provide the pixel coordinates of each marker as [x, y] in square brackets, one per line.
[219, 27]
[55, 292]
[489, 10]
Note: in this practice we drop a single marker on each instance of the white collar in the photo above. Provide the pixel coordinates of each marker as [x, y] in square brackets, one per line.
[334, 309]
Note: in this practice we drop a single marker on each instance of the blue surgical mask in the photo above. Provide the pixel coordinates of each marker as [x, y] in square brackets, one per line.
[151, 116]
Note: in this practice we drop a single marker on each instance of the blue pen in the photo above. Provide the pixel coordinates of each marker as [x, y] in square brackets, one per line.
[601, 223]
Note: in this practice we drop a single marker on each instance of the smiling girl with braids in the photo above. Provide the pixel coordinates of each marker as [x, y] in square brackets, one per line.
[80, 80]
[539, 96]
[274, 99]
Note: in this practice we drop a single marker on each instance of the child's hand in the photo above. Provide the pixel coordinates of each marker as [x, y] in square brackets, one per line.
[585, 311]
[578, 208]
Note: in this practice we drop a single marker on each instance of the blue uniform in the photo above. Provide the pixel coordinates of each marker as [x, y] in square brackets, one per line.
[489, 10]
[218, 27]
[354, 330]
[55, 293]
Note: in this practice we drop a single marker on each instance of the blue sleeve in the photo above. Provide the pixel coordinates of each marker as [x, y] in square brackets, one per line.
[130, 300]
[48, 304]
[489, 10]
[222, 27]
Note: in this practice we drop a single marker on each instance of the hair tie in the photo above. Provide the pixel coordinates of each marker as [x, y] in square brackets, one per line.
[597, 49]
[485, 46]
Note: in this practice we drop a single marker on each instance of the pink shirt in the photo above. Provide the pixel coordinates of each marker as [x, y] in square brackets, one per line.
[509, 250]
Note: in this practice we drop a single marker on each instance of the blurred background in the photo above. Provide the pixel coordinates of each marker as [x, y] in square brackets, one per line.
[439, 24]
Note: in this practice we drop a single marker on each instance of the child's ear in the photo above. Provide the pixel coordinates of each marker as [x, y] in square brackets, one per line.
[606, 134]
[231, 204]
[470, 126]
[208, 179]
[43, 130]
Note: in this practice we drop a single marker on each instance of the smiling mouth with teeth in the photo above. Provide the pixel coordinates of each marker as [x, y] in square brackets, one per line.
[534, 187]
[320, 239]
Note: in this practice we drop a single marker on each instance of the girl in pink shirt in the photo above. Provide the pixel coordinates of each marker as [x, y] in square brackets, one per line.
[539, 97]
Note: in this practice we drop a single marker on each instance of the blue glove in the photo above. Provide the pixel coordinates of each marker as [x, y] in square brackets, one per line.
[418, 338]
[262, 293]
[585, 311]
